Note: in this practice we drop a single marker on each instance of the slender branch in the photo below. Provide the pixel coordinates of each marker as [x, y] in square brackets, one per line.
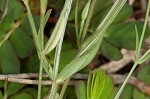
[5, 11]
[40, 80]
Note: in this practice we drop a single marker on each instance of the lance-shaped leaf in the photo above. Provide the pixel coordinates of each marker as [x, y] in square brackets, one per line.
[145, 57]
[59, 28]
[84, 16]
[77, 64]
[91, 45]
[47, 16]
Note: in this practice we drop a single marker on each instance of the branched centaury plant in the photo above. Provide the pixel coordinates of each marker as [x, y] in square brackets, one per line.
[85, 55]
[137, 52]
[57, 36]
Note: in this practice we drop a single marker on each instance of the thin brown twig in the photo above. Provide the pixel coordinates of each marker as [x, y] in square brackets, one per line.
[118, 79]
[114, 66]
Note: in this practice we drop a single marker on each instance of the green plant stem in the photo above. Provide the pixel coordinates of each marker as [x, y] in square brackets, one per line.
[58, 51]
[40, 81]
[41, 39]
[125, 82]
[88, 20]
[56, 67]
[64, 88]
[16, 25]
[5, 89]
[144, 29]
[57, 55]
[53, 90]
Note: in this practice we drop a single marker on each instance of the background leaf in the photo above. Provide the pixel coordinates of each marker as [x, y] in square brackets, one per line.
[14, 88]
[81, 90]
[15, 9]
[22, 43]
[110, 51]
[8, 59]
[120, 36]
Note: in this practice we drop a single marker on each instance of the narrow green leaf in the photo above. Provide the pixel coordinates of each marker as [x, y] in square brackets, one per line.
[59, 28]
[83, 17]
[47, 16]
[76, 20]
[77, 64]
[145, 57]
[88, 52]
[71, 68]
[99, 33]
[85, 10]
[80, 90]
